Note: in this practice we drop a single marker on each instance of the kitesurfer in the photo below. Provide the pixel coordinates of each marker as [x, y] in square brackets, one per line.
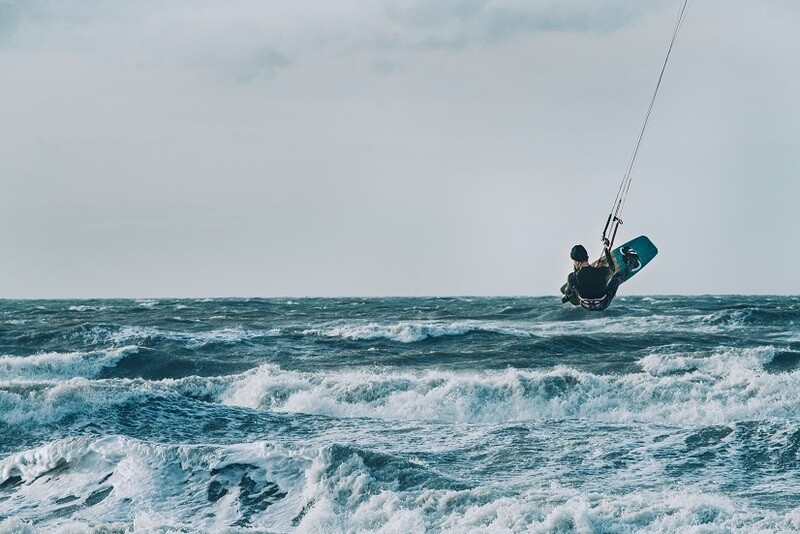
[591, 286]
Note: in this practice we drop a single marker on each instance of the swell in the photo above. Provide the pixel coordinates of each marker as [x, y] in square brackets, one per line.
[696, 388]
[155, 353]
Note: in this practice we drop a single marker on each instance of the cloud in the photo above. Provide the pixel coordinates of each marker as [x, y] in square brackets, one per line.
[261, 63]
[244, 63]
[233, 42]
[456, 24]
[15, 15]
[404, 141]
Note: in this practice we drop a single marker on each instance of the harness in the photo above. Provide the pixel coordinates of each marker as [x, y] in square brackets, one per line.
[593, 304]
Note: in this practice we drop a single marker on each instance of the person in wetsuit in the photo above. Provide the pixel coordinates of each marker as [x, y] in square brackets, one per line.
[591, 286]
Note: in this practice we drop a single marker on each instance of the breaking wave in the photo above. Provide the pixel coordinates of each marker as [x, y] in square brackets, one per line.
[720, 388]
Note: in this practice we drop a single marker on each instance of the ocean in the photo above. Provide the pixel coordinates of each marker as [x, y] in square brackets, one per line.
[400, 415]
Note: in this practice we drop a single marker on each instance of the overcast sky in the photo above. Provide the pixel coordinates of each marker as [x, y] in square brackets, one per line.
[360, 147]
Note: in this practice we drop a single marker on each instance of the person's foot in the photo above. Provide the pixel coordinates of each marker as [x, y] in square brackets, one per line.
[631, 258]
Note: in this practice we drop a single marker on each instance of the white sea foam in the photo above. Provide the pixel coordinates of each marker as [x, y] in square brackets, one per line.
[725, 387]
[129, 483]
[121, 480]
[86, 307]
[53, 365]
[721, 388]
[45, 402]
[413, 331]
[348, 496]
[719, 363]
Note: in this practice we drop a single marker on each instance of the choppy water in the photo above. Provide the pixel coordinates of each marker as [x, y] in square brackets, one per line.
[666, 414]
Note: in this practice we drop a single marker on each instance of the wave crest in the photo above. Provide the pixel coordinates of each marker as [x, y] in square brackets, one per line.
[55, 365]
[722, 388]
[95, 481]
[414, 331]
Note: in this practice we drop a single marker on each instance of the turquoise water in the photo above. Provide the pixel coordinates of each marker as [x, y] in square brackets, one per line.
[663, 414]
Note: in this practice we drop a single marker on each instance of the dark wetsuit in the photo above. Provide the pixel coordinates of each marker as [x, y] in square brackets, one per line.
[593, 287]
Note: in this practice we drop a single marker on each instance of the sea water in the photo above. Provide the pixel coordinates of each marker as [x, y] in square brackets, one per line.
[661, 414]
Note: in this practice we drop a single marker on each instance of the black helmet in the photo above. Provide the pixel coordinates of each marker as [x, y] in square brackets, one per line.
[578, 253]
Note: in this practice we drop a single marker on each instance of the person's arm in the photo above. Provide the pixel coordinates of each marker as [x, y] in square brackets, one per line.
[605, 260]
[609, 258]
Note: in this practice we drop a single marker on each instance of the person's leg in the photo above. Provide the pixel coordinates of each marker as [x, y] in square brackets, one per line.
[613, 285]
[570, 293]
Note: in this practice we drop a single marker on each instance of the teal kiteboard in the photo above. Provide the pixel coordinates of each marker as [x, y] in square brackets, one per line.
[634, 255]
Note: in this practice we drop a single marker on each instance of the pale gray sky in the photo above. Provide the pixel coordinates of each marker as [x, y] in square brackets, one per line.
[359, 147]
